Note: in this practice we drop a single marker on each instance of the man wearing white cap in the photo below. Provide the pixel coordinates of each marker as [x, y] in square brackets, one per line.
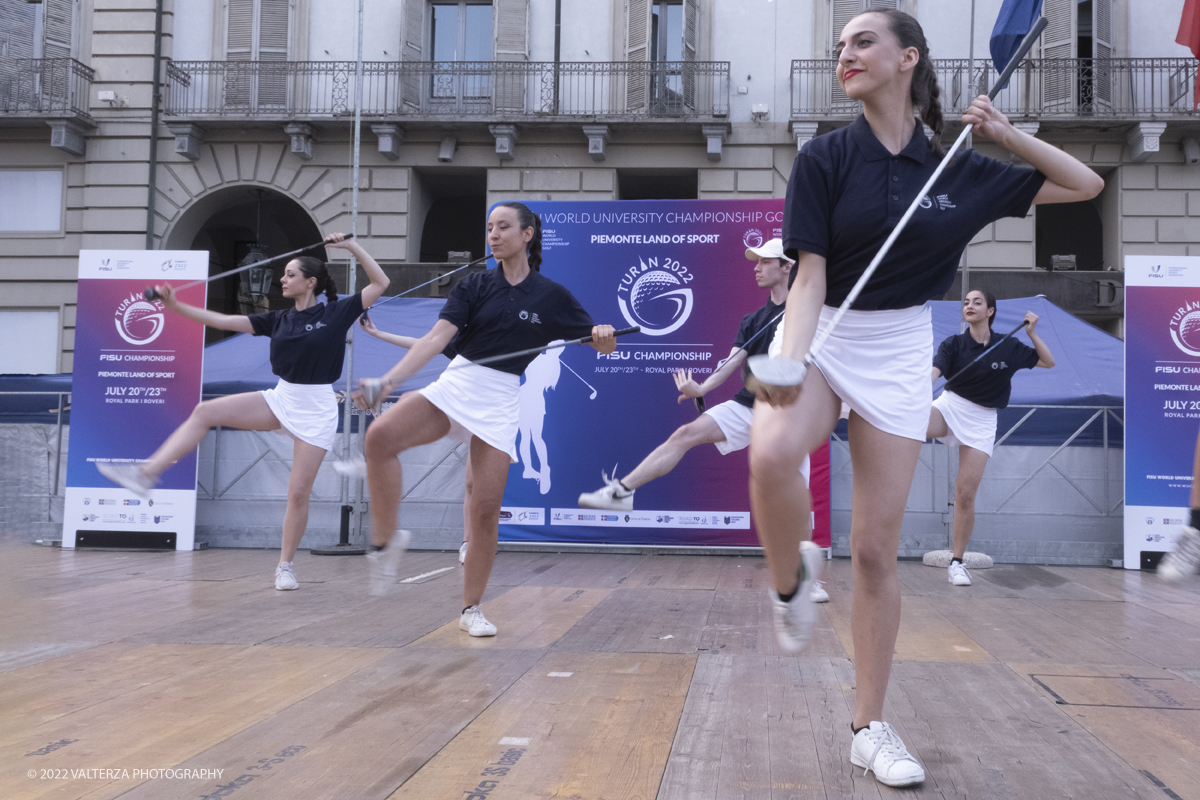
[726, 425]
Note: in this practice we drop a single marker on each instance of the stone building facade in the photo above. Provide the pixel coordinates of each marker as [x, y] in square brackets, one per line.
[467, 102]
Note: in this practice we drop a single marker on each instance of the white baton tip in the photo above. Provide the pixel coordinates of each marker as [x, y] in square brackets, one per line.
[778, 371]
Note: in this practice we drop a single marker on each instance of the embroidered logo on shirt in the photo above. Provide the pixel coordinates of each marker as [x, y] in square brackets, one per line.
[943, 202]
[524, 314]
[999, 365]
[535, 319]
[310, 326]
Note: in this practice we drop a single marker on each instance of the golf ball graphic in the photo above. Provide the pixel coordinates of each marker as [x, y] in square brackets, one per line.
[1189, 330]
[141, 323]
[658, 302]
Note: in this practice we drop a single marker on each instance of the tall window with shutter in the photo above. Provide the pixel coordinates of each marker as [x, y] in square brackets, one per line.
[511, 36]
[461, 47]
[257, 32]
[662, 36]
[1078, 29]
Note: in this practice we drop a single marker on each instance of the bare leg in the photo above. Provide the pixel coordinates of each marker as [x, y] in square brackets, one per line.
[937, 425]
[971, 464]
[779, 496]
[467, 488]
[411, 422]
[489, 469]
[883, 470]
[702, 430]
[248, 411]
[306, 460]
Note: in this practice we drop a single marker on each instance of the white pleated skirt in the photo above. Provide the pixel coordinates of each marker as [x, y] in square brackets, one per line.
[308, 412]
[479, 401]
[879, 363]
[970, 423]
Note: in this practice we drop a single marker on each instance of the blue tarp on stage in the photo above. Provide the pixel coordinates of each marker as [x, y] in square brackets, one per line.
[1089, 368]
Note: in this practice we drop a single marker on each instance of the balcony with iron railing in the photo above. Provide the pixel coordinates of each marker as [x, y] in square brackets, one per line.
[1065, 89]
[448, 91]
[44, 89]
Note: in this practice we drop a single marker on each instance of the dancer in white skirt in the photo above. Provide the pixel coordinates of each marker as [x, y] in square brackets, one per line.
[308, 345]
[847, 192]
[504, 310]
[965, 412]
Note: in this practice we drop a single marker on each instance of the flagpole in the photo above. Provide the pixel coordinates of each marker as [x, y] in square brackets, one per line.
[972, 88]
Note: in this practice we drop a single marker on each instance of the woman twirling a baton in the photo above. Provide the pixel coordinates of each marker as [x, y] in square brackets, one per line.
[308, 346]
[506, 309]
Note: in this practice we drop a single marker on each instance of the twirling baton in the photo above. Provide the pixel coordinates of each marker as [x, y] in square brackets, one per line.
[383, 300]
[788, 371]
[372, 388]
[979, 357]
[699, 401]
[153, 295]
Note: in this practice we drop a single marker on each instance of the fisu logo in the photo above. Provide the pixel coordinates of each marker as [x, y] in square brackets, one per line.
[653, 296]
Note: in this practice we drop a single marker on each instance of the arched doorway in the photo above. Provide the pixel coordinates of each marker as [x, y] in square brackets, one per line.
[227, 223]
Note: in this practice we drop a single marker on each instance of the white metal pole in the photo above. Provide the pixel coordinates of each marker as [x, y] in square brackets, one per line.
[971, 90]
[351, 278]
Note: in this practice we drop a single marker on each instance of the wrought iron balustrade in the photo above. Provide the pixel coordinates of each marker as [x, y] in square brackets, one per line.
[45, 87]
[1041, 88]
[472, 89]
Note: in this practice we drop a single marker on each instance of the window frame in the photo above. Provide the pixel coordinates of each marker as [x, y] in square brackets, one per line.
[61, 232]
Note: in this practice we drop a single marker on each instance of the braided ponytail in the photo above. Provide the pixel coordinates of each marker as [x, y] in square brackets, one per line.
[528, 219]
[311, 267]
[925, 92]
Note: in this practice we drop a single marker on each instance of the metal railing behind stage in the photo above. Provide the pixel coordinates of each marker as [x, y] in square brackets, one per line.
[45, 87]
[1042, 88]
[287, 90]
[1103, 505]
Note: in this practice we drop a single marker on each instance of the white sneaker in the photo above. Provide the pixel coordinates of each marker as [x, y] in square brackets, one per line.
[1184, 558]
[794, 619]
[462, 553]
[475, 623]
[129, 476]
[959, 575]
[878, 749]
[818, 593]
[613, 497]
[384, 565]
[285, 577]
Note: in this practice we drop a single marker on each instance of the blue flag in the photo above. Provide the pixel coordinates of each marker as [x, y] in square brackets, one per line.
[1015, 20]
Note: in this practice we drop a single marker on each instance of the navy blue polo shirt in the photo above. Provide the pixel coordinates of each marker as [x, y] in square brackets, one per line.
[847, 193]
[494, 317]
[989, 382]
[752, 324]
[309, 346]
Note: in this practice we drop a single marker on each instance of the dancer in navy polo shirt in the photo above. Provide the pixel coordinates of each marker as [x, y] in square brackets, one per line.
[308, 345]
[965, 412]
[504, 310]
[847, 192]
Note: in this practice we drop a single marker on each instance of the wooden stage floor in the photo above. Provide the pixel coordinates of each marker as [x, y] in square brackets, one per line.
[613, 676]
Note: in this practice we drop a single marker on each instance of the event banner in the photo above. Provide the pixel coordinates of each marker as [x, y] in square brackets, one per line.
[137, 377]
[678, 269]
[1162, 400]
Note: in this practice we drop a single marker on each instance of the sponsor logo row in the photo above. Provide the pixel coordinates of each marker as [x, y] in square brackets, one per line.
[739, 520]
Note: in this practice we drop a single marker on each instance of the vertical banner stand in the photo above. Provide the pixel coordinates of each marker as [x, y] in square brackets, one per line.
[1162, 401]
[137, 376]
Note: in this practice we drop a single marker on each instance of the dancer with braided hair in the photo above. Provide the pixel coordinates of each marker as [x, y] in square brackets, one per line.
[847, 193]
[308, 346]
[507, 309]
